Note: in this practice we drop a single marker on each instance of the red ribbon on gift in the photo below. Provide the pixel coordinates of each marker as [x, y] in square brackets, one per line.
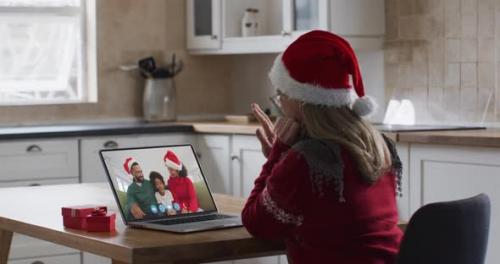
[99, 212]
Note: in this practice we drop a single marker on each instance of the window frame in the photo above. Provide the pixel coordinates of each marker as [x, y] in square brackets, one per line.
[88, 87]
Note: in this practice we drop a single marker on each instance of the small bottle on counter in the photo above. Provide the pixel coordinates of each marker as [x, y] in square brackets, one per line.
[250, 23]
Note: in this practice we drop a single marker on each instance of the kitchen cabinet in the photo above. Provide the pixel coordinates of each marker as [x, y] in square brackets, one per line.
[403, 201]
[204, 24]
[39, 159]
[91, 165]
[214, 156]
[247, 160]
[442, 173]
[216, 28]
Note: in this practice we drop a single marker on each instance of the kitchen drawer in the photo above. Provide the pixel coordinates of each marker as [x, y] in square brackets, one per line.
[62, 259]
[39, 159]
[39, 182]
[92, 168]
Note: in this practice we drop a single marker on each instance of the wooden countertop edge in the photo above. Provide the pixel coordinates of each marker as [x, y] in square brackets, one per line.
[458, 138]
[479, 138]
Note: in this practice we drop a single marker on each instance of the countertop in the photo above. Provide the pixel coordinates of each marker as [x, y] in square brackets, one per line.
[483, 137]
[77, 130]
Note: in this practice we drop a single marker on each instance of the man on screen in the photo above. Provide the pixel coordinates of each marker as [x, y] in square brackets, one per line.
[140, 193]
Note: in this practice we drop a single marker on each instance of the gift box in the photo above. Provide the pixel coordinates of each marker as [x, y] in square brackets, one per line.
[101, 221]
[76, 216]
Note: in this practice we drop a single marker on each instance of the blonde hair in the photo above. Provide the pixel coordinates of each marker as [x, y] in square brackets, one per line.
[341, 125]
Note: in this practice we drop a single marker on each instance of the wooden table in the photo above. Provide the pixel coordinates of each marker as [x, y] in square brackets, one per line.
[36, 212]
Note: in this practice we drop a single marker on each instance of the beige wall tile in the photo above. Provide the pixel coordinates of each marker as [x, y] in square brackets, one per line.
[468, 105]
[468, 75]
[486, 75]
[452, 76]
[436, 74]
[486, 49]
[469, 7]
[468, 50]
[452, 50]
[469, 26]
[486, 18]
[436, 49]
[407, 7]
[410, 27]
[452, 20]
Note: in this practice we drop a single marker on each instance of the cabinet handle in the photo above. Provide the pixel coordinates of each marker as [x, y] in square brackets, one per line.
[235, 157]
[110, 144]
[34, 184]
[33, 149]
[285, 33]
[37, 262]
[214, 37]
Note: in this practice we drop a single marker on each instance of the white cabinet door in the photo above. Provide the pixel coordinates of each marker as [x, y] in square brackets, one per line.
[91, 166]
[214, 156]
[361, 18]
[404, 201]
[203, 24]
[247, 160]
[301, 16]
[442, 173]
[39, 159]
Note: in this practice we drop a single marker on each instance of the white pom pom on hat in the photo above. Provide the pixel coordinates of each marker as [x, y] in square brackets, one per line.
[316, 69]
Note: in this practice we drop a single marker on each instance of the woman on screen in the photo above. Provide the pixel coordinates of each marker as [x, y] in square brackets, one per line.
[180, 185]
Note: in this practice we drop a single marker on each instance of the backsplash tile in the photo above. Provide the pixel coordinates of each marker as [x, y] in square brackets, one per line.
[458, 42]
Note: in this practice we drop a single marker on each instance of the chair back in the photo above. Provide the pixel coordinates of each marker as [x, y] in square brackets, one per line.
[454, 232]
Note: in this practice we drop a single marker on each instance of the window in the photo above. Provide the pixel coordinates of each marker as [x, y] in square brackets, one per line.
[47, 52]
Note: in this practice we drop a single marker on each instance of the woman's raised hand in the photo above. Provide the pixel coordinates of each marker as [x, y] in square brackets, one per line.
[286, 130]
[265, 134]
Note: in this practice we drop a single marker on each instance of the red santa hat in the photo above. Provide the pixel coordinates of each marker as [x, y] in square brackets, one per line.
[315, 69]
[127, 165]
[172, 161]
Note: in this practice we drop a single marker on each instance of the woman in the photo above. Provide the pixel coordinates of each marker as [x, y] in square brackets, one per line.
[329, 184]
[180, 185]
[162, 195]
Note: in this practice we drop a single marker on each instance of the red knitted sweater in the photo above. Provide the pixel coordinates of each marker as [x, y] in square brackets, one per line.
[183, 192]
[348, 221]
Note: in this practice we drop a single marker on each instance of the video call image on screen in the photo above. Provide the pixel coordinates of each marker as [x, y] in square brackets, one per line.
[158, 182]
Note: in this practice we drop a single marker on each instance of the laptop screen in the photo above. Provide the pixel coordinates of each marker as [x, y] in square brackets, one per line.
[157, 182]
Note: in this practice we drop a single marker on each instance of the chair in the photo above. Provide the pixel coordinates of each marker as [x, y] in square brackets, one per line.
[454, 232]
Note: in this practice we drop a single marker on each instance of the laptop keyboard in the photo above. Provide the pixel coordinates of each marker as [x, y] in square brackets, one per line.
[193, 219]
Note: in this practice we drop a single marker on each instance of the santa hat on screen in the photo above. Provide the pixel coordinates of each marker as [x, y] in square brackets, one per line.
[315, 69]
[127, 165]
[172, 161]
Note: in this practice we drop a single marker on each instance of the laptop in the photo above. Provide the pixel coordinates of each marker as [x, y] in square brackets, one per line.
[163, 188]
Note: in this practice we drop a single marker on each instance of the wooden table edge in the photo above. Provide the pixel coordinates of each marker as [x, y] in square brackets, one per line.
[71, 240]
